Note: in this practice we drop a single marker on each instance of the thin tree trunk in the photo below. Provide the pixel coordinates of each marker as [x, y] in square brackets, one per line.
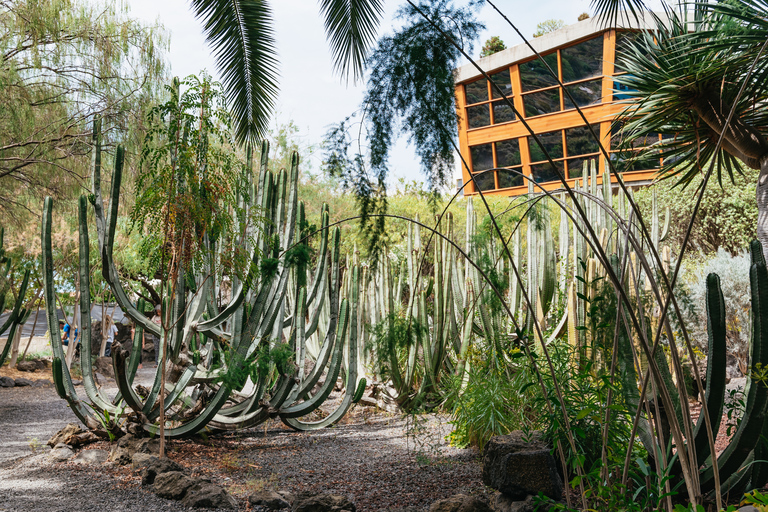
[32, 333]
[762, 206]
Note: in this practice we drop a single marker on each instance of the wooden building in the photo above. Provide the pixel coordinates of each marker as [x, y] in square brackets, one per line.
[492, 136]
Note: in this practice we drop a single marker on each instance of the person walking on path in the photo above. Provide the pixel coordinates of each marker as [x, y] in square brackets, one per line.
[111, 331]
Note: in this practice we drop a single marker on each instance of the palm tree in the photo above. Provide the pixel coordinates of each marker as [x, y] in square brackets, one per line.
[241, 34]
[700, 78]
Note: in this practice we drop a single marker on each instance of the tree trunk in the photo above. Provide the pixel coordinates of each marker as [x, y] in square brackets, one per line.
[15, 348]
[762, 206]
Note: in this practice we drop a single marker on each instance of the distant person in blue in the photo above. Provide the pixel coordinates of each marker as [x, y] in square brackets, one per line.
[65, 336]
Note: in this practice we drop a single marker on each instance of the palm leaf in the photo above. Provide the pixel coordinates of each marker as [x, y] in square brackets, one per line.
[240, 32]
[351, 28]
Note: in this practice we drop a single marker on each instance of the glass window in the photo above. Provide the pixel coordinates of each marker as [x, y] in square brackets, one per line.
[584, 93]
[478, 116]
[628, 161]
[583, 60]
[509, 178]
[535, 75]
[482, 157]
[508, 153]
[502, 112]
[627, 41]
[544, 102]
[578, 141]
[505, 84]
[552, 142]
[485, 181]
[477, 91]
[622, 92]
[545, 172]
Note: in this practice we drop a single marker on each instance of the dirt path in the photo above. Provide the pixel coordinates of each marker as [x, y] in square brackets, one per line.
[379, 460]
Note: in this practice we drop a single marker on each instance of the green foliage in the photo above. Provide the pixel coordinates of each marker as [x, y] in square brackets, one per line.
[189, 176]
[493, 45]
[727, 215]
[411, 81]
[547, 26]
[63, 62]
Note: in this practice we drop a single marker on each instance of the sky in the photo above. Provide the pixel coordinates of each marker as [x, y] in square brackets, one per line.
[311, 94]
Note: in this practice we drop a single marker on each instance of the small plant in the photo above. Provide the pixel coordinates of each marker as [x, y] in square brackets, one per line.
[34, 444]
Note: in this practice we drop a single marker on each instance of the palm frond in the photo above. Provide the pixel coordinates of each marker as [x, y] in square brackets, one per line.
[351, 26]
[614, 11]
[240, 32]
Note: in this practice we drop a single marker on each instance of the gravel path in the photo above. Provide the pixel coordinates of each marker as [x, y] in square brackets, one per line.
[377, 459]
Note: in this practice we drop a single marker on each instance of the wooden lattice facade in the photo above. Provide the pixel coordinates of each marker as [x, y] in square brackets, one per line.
[492, 137]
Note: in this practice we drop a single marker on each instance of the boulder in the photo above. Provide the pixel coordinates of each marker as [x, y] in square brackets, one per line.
[91, 457]
[23, 382]
[268, 499]
[460, 503]
[122, 453]
[307, 502]
[72, 429]
[519, 466]
[501, 502]
[204, 494]
[103, 365]
[172, 485]
[61, 452]
[7, 382]
[154, 467]
[27, 366]
[42, 383]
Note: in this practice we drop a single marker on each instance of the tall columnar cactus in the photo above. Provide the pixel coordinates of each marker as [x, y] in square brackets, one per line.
[225, 365]
[740, 464]
[19, 314]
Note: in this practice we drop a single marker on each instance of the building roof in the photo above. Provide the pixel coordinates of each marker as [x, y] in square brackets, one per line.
[571, 33]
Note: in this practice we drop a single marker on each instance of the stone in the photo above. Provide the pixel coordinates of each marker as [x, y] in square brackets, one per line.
[61, 452]
[268, 499]
[172, 485]
[42, 383]
[23, 382]
[501, 502]
[367, 401]
[141, 460]
[77, 382]
[65, 433]
[519, 467]
[460, 503]
[103, 365]
[91, 457]
[122, 453]
[748, 508]
[308, 502]
[406, 509]
[204, 494]
[154, 467]
[7, 382]
[27, 366]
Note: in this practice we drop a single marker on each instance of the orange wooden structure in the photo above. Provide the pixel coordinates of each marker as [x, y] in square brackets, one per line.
[491, 135]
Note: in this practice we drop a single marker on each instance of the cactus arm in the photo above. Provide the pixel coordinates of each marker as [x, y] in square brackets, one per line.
[108, 267]
[716, 355]
[85, 313]
[306, 407]
[351, 384]
[62, 378]
[9, 341]
[748, 433]
[133, 400]
[98, 201]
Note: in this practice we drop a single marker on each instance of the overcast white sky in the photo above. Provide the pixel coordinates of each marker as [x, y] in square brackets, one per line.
[310, 94]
